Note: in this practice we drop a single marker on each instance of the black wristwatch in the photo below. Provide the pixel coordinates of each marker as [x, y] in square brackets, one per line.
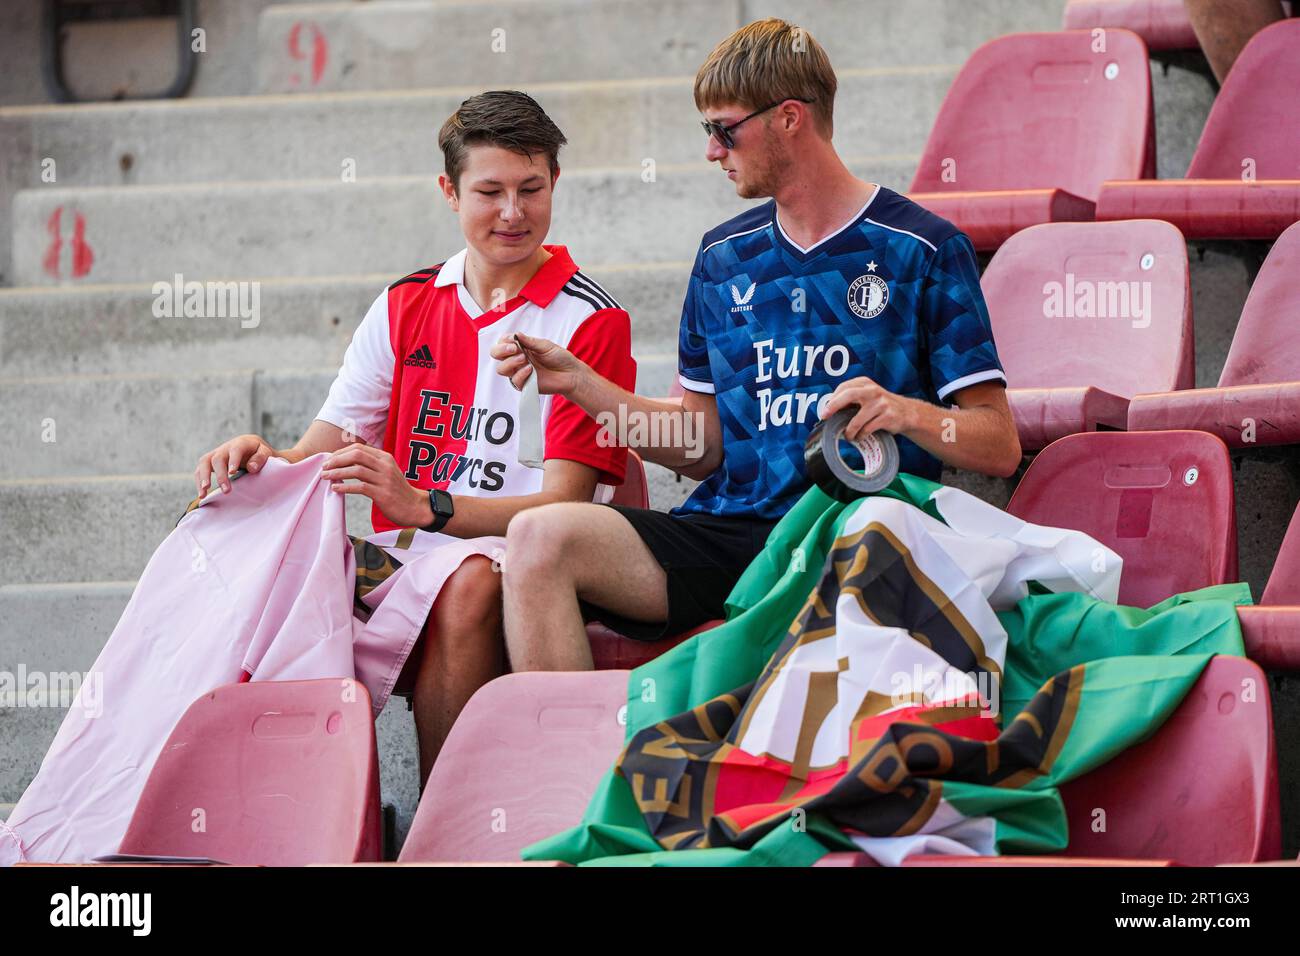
[443, 508]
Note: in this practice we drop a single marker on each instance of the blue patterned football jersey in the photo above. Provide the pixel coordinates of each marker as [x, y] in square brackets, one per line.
[771, 329]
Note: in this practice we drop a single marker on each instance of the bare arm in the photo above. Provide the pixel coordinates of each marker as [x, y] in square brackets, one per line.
[979, 434]
[252, 451]
[374, 473]
[689, 432]
[320, 436]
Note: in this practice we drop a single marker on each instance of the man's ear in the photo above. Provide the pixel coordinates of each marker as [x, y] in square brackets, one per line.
[793, 115]
[554, 177]
[449, 191]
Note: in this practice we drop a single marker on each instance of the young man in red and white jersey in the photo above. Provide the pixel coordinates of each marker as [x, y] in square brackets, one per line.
[439, 432]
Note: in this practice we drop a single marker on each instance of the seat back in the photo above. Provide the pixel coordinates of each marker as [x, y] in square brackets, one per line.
[274, 773]
[1202, 790]
[633, 492]
[1254, 125]
[1163, 24]
[1284, 580]
[1041, 111]
[1265, 347]
[528, 751]
[1106, 304]
[520, 764]
[1163, 501]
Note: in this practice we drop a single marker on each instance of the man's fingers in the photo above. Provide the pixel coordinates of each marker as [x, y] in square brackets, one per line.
[518, 379]
[840, 400]
[202, 473]
[509, 366]
[504, 348]
[863, 423]
[358, 471]
[355, 452]
[219, 459]
[362, 488]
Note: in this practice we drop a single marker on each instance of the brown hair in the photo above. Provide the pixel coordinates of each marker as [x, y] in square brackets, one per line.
[505, 118]
[766, 61]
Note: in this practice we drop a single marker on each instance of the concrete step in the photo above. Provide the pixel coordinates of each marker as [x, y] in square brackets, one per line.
[380, 225]
[386, 45]
[96, 513]
[399, 45]
[111, 329]
[105, 425]
[120, 424]
[608, 123]
[134, 57]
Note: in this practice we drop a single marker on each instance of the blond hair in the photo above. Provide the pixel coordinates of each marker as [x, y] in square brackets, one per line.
[767, 61]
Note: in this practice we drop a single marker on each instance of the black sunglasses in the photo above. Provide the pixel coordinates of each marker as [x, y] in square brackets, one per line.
[723, 133]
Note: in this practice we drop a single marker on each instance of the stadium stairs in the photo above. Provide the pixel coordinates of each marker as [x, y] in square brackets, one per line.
[304, 159]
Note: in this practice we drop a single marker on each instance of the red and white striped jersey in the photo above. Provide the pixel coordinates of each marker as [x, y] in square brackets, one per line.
[417, 379]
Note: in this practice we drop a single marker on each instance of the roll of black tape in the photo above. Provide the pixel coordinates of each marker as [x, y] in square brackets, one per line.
[826, 467]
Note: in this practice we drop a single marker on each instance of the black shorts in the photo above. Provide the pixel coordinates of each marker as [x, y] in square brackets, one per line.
[703, 557]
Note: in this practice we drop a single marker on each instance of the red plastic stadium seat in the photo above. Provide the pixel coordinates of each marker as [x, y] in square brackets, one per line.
[520, 764]
[284, 772]
[1163, 501]
[1244, 179]
[1284, 580]
[632, 492]
[1260, 382]
[1201, 791]
[1163, 24]
[529, 750]
[1033, 125]
[1271, 629]
[612, 651]
[1086, 315]
[609, 649]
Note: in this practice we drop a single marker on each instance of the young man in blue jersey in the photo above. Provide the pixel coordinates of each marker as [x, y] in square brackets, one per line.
[837, 292]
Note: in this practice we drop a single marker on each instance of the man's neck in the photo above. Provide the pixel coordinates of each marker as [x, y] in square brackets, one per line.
[820, 200]
[491, 285]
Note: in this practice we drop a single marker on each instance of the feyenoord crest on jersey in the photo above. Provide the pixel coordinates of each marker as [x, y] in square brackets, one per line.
[868, 296]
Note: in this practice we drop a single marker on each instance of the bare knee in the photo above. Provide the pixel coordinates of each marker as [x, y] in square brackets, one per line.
[470, 599]
[538, 538]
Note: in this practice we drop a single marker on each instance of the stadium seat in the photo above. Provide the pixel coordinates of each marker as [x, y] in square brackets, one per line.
[1163, 24]
[528, 751]
[1271, 629]
[1213, 760]
[609, 649]
[272, 773]
[1033, 125]
[1087, 315]
[1163, 501]
[1244, 178]
[1257, 401]
[1201, 791]
[520, 764]
[612, 651]
[632, 492]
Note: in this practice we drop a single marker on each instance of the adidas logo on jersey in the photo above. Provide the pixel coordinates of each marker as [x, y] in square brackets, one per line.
[421, 357]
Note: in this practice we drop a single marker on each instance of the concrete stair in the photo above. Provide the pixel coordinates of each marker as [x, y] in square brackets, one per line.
[243, 182]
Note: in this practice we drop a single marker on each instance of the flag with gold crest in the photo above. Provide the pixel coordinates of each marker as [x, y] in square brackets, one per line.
[914, 672]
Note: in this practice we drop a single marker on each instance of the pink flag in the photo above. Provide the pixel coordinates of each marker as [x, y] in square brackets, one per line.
[257, 582]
